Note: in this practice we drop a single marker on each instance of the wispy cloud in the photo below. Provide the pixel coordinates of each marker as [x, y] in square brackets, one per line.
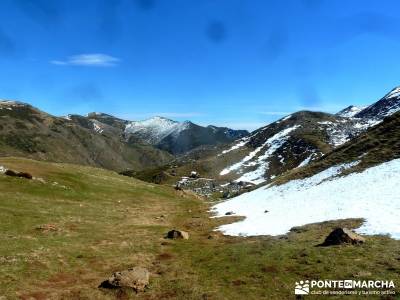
[90, 60]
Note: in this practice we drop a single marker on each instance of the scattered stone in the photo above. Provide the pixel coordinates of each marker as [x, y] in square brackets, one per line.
[362, 274]
[341, 236]
[225, 194]
[229, 213]
[47, 227]
[18, 174]
[136, 278]
[11, 173]
[194, 174]
[177, 234]
[24, 175]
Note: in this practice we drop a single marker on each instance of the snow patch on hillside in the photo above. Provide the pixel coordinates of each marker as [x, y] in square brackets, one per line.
[306, 161]
[273, 143]
[371, 194]
[242, 142]
[97, 126]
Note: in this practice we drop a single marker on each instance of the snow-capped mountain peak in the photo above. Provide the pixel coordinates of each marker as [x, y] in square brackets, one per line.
[350, 111]
[395, 93]
[154, 129]
[386, 106]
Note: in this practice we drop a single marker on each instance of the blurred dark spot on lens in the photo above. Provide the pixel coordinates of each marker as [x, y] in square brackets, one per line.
[216, 31]
[312, 4]
[86, 91]
[109, 20]
[7, 45]
[308, 97]
[145, 4]
[276, 44]
[41, 11]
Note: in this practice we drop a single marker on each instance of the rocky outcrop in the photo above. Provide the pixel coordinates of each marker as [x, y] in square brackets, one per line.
[18, 174]
[136, 278]
[341, 236]
[177, 234]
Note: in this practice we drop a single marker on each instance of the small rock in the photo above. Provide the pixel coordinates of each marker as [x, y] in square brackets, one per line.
[160, 217]
[10, 173]
[229, 213]
[18, 174]
[265, 211]
[194, 174]
[177, 234]
[47, 227]
[24, 175]
[362, 274]
[342, 236]
[136, 278]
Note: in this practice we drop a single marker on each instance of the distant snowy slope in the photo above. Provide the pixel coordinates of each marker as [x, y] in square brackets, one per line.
[153, 130]
[372, 194]
[269, 147]
[180, 137]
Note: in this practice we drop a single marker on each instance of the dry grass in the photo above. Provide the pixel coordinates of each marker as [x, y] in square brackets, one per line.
[105, 222]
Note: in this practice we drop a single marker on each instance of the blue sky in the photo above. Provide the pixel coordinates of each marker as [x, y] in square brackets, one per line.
[235, 63]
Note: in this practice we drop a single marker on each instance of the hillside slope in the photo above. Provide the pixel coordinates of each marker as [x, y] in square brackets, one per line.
[28, 132]
[69, 229]
[297, 140]
[378, 144]
[357, 180]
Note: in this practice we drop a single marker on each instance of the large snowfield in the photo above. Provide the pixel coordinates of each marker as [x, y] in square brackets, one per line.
[373, 194]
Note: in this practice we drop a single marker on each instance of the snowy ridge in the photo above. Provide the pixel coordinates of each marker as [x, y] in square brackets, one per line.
[371, 194]
[395, 93]
[156, 128]
[350, 111]
[256, 176]
[387, 106]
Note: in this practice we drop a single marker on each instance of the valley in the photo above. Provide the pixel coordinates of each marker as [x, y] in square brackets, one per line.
[83, 197]
[62, 240]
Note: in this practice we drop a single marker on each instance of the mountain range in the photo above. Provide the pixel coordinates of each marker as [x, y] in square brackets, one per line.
[295, 141]
[103, 140]
[100, 139]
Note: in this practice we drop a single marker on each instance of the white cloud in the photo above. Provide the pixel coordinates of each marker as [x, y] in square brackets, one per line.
[90, 60]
